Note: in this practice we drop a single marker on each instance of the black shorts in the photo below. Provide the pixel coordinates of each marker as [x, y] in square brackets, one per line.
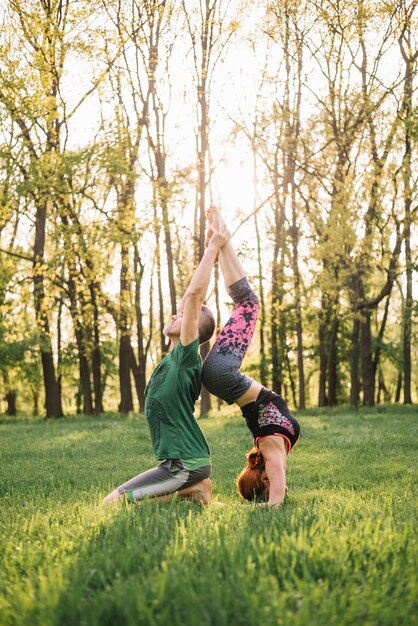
[270, 415]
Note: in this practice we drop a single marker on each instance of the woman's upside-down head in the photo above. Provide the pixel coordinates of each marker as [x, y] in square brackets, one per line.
[252, 482]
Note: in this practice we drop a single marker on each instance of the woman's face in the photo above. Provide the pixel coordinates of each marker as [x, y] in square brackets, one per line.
[265, 481]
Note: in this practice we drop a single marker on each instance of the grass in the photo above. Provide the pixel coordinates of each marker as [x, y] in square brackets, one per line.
[341, 551]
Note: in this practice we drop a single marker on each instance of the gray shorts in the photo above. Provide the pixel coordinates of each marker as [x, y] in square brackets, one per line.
[169, 476]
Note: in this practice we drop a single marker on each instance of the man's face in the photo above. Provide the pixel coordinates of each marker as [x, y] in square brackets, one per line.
[172, 329]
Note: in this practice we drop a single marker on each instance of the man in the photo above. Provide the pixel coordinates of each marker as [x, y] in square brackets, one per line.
[170, 396]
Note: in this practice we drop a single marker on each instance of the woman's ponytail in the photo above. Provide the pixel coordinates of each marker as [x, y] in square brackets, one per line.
[249, 482]
[255, 459]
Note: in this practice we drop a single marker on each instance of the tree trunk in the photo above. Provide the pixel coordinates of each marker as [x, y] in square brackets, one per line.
[291, 380]
[11, 402]
[80, 335]
[72, 223]
[35, 399]
[202, 154]
[168, 245]
[277, 285]
[52, 396]
[78, 397]
[293, 57]
[139, 383]
[274, 336]
[96, 358]
[398, 387]
[366, 359]
[382, 389]
[205, 399]
[139, 373]
[85, 383]
[298, 300]
[410, 59]
[332, 364]
[283, 356]
[164, 344]
[163, 340]
[323, 354]
[376, 358]
[278, 332]
[125, 387]
[59, 350]
[262, 327]
[407, 325]
[354, 369]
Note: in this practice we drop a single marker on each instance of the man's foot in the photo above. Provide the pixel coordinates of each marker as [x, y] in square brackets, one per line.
[112, 498]
[201, 492]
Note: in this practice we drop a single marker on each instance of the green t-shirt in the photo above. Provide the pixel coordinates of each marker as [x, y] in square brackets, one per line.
[170, 397]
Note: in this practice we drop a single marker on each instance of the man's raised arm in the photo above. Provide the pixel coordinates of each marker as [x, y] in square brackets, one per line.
[192, 300]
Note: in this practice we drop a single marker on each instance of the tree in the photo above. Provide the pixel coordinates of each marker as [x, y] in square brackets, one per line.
[208, 35]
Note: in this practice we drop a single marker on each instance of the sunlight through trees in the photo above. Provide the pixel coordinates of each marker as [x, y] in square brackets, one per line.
[121, 121]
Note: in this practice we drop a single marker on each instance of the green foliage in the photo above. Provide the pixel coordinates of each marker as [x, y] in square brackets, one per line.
[411, 123]
[19, 352]
[341, 551]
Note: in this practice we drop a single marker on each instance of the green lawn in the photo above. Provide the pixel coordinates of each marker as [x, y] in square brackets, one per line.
[342, 550]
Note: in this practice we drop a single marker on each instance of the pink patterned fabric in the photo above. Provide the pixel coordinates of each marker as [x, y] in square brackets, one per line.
[221, 370]
[236, 335]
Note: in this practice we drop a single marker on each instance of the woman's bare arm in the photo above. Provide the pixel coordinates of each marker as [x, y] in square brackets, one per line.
[273, 450]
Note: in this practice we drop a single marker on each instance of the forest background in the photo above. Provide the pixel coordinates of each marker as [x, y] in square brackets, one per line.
[121, 121]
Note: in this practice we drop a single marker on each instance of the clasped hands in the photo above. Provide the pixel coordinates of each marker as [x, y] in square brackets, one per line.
[217, 234]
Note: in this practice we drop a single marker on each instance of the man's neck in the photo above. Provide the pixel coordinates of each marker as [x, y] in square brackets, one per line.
[173, 342]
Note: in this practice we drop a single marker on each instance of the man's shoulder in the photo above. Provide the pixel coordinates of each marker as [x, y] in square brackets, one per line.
[186, 356]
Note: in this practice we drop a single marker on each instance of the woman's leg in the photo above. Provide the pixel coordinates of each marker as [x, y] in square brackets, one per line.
[221, 369]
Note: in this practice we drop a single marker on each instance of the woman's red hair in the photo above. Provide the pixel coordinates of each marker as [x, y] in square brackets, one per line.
[249, 482]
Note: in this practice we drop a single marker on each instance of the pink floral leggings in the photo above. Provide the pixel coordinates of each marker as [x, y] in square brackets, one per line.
[221, 369]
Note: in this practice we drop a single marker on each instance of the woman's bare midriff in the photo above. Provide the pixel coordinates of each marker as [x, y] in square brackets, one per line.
[250, 395]
[273, 441]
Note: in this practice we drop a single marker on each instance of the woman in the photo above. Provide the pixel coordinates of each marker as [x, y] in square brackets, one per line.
[274, 429]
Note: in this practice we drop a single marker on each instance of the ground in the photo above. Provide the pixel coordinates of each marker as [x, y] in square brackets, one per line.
[341, 551]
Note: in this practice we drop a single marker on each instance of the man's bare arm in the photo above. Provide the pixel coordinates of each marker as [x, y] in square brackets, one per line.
[196, 292]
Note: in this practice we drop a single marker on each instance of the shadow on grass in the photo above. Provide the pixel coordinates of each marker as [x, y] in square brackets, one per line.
[118, 575]
[181, 565]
